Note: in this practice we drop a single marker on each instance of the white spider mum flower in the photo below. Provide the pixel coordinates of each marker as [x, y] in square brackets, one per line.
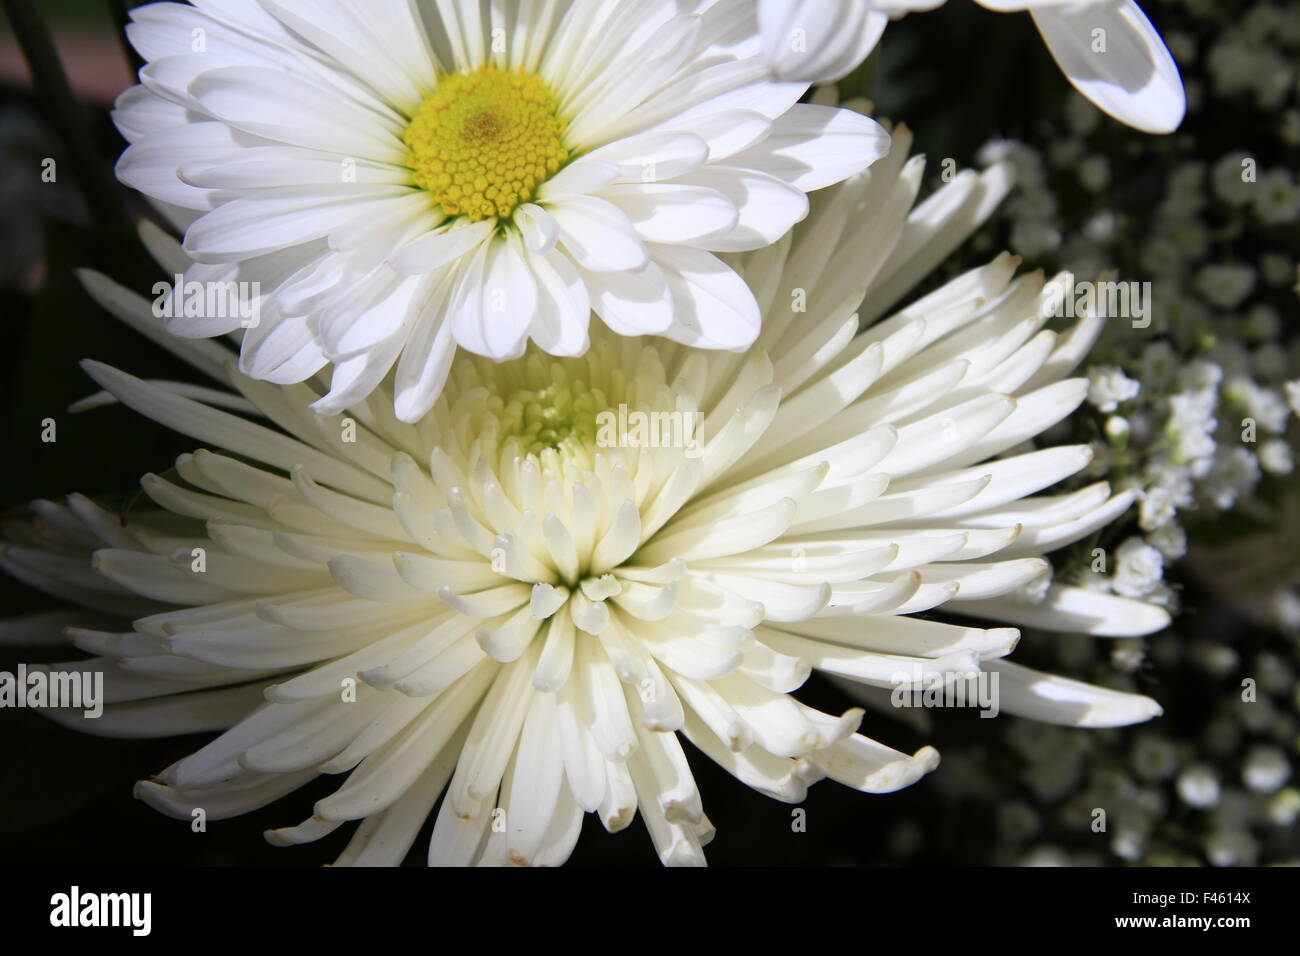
[1107, 49]
[521, 601]
[404, 176]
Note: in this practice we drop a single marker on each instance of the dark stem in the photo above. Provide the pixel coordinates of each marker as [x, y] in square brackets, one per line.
[65, 113]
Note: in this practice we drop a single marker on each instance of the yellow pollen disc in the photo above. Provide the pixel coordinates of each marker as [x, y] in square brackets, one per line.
[483, 142]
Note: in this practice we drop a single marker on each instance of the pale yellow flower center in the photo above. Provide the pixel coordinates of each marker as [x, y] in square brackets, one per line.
[561, 416]
[483, 142]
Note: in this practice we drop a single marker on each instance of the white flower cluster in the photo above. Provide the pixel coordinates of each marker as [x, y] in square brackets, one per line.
[1203, 408]
[1225, 794]
[1196, 411]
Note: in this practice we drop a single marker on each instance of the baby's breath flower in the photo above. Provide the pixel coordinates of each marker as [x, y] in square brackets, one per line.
[1225, 284]
[1138, 568]
[1198, 787]
[1108, 387]
[1265, 769]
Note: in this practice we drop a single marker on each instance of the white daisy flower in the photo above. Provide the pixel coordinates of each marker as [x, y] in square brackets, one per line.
[521, 601]
[405, 176]
[1107, 49]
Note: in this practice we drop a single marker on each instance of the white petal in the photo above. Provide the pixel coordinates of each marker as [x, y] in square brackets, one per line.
[1135, 79]
[818, 41]
[442, 246]
[1059, 700]
[811, 147]
[714, 306]
[672, 213]
[598, 235]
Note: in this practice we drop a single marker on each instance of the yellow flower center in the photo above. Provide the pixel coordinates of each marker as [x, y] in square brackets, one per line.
[546, 404]
[483, 142]
[561, 416]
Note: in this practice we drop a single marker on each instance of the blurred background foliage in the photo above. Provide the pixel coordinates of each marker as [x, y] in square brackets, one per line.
[1209, 783]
